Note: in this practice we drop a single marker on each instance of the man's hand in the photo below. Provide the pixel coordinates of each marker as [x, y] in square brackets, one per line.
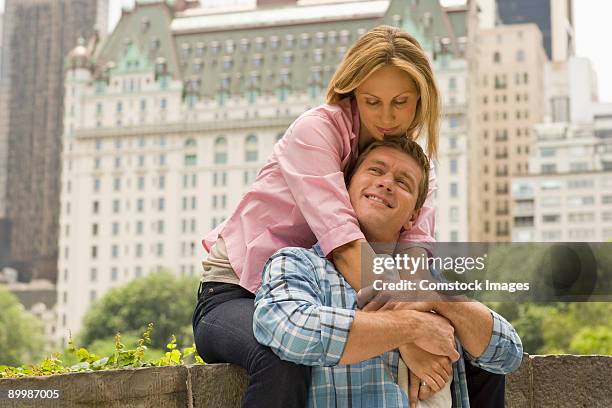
[435, 370]
[436, 335]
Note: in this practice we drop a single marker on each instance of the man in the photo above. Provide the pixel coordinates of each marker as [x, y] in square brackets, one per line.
[306, 312]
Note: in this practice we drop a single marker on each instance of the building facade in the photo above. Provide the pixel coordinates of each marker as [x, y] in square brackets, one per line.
[37, 36]
[510, 100]
[567, 195]
[554, 18]
[168, 121]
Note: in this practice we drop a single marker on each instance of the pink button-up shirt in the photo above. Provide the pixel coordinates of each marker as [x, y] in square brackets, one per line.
[299, 197]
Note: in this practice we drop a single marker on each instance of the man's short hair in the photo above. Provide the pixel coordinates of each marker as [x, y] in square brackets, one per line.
[404, 145]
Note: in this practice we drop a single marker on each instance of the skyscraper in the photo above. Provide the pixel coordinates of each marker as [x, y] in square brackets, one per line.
[37, 36]
[553, 17]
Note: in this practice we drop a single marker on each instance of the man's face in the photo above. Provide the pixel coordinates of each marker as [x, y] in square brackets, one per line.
[383, 191]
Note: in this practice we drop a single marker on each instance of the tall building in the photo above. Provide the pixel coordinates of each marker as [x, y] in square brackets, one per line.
[510, 100]
[37, 36]
[4, 94]
[567, 195]
[554, 18]
[168, 121]
[452, 74]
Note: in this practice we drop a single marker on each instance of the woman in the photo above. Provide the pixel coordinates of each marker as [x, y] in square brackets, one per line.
[384, 85]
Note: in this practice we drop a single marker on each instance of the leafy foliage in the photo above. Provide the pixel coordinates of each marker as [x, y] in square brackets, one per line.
[21, 334]
[161, 298]
[121, 357]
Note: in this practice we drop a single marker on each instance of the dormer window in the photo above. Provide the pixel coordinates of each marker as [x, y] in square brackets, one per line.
[289, 41]
[200, 47]
[225, 82]
[146, 24]
[245, 44]
[345, 36]
[197, 65]
[258, 60]
[215, 47]
[260, 44]
[318, 55]
[228, 62]
[332, 37]
[185, 50]
[155, 43]
[287, 58]
[320, 38]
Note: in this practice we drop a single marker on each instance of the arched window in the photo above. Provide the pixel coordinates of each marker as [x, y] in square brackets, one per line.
[220, 150]
[250, 149]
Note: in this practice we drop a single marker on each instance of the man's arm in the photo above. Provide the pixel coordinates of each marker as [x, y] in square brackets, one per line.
[472, 321]
[292, 319]
[489, 341]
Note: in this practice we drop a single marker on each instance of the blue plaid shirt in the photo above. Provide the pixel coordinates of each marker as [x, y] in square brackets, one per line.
[304, 311]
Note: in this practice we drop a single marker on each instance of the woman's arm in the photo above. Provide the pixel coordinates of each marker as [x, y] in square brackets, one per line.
[311, 162]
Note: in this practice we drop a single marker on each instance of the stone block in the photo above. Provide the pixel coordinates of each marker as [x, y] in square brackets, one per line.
[572, 381]
[217, 385]
[519, 391]
[164, 387]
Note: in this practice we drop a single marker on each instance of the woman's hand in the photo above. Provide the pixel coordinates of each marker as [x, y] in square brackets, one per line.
[433, 369]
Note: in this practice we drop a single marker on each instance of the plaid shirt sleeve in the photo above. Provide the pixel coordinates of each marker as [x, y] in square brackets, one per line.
[291, 316]
[504, 353]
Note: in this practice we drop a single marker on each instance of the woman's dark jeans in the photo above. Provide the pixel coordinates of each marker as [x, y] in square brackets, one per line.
[223, 332]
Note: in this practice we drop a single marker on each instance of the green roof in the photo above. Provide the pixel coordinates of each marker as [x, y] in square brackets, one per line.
[251, 54]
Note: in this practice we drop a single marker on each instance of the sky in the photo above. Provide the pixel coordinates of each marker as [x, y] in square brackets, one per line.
[591, 23]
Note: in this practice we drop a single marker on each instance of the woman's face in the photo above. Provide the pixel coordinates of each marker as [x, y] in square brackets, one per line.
[387, 102]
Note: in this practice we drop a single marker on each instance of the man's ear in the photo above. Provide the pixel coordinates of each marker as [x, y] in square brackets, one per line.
[410, 222]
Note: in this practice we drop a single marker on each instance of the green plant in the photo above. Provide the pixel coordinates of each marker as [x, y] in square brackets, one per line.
[121, 357]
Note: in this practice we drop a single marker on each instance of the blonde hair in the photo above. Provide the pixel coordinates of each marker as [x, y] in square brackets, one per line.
[404, 145]
[382, 46]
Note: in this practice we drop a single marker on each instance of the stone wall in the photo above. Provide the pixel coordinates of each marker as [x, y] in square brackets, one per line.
[542, 381]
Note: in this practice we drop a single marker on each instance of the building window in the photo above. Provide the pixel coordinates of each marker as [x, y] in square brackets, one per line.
[93, 274]
[453, 166]
[220, 150]
[454, 214]
[250, 154]
[454, 190]
[115, 228]
[520, 56]
[114, 251]
[496, 57]
[139, 227]
[114, 274]
[161, 204]
[117, 184]
[115, 206]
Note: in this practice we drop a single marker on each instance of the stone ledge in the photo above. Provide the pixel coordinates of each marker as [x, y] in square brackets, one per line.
[541, 381]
